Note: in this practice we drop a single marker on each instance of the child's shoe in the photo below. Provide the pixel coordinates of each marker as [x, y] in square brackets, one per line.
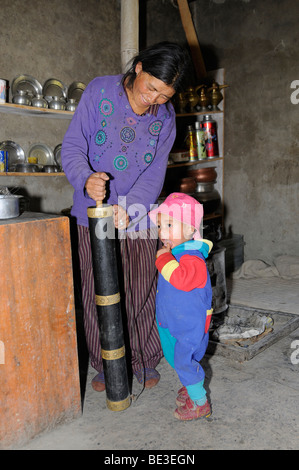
[182, 396]
[191, 411]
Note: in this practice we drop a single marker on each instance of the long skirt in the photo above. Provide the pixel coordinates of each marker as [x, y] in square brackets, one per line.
[138, 283]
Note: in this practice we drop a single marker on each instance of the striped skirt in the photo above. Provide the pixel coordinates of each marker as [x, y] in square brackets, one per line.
[139, 279]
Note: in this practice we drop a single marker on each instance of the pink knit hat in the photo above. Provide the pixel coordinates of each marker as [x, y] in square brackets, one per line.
[181, 207]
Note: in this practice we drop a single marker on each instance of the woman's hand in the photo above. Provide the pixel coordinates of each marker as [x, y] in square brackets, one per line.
[96, 186]
[165, 249]
[121, 218]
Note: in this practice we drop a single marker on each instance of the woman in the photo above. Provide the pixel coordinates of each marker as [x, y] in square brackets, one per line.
[117, 147]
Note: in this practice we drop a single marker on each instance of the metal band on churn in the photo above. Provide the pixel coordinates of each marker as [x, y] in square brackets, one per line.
[102, 240]
[107, 299]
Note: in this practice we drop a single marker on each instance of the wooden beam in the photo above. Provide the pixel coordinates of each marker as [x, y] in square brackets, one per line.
[191, 36]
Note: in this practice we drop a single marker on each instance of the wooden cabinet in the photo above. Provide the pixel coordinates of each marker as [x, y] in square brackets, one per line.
[39, 373]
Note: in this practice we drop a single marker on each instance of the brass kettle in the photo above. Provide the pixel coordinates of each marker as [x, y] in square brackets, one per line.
[215, 95]
[181, 102]
[192, 97]
[188, 100]
[204, 99]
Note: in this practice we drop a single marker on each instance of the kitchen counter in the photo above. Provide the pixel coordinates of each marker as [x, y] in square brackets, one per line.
[39, 376]
[28, 217]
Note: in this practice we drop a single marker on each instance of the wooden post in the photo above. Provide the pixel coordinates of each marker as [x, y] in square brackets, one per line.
[191, 36]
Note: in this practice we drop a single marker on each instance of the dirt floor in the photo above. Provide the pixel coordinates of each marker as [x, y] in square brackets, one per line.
[254, 403]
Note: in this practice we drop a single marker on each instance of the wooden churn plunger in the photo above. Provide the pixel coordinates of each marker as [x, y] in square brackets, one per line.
[102, 239]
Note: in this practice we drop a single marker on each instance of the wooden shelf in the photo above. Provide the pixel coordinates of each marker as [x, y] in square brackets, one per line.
[10, 108]
[214, 215]
[203, 160]
[42, 173]
[199, 113]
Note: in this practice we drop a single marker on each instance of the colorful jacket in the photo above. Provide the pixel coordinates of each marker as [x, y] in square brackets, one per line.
[183, 303]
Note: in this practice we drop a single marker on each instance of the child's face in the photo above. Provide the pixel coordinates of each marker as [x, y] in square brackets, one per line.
[173, 231]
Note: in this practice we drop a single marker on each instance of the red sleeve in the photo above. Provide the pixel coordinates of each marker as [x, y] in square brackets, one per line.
[162, 260]
[188, 274]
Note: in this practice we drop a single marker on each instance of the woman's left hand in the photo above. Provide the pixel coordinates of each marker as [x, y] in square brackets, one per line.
[121, 218]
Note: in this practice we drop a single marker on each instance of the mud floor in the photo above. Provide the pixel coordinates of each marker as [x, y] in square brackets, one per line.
[254, 407]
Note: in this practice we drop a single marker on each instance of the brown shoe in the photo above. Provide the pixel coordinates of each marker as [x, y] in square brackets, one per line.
[98, 382]
[150, 377]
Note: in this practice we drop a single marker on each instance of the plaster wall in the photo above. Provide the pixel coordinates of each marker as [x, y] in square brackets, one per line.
[73, 40]
[257, 44]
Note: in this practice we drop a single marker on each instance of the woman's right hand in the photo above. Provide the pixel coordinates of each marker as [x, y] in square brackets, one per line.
[96, 186]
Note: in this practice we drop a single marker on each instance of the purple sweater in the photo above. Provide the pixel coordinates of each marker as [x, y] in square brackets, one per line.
[106, 135]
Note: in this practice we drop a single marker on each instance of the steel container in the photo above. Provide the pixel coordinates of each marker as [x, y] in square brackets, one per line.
[210, 128]
[9, 206]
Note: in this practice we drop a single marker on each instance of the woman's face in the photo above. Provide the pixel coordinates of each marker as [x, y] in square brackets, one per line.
[148, 90]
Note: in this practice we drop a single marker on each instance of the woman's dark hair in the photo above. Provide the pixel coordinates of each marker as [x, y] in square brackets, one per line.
[166, 61]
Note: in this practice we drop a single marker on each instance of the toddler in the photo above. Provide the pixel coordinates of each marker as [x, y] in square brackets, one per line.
[184, 298]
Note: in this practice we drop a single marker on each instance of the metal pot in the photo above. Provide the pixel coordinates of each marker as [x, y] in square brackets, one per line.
[21, 98]
[187, 185]
[39, 102]
[26, 168]
[71, 105]
[9, 206]
[205, 187]
[208, 196]
[50, 169]
[205, 175]
[57, 103]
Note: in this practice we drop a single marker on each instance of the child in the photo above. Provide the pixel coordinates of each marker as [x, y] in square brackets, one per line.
[184, 298]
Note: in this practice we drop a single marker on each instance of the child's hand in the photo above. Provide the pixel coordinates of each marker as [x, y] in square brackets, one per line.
[165, 249]
[121, 218]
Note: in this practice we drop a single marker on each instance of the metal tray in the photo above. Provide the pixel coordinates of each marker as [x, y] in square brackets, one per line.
[284, 323]
[15, 153]
[57, 155]
[26, 83]
[54, 87]
[75, 91]
[43, 153]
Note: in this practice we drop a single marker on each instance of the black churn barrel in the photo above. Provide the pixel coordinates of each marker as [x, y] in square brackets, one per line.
[102, 239]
